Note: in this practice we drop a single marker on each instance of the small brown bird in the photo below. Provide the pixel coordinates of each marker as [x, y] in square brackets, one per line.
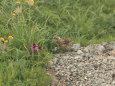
[63, 43]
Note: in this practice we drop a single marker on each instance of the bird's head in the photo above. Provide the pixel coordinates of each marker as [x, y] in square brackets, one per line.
[56, 38]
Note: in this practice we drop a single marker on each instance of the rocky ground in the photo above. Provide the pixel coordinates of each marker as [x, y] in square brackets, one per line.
[93, 65]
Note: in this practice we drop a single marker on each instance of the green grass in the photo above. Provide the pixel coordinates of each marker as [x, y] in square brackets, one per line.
[84, 21]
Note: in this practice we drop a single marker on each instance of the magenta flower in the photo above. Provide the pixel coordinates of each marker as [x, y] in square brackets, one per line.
[34, 48]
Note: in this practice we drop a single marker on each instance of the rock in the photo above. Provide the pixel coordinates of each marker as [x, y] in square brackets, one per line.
[96, 49]
[112, 53]
[86, 50]
[79, 52]
[57, 55]
[55, 61]
[75, 47]
[109, 45]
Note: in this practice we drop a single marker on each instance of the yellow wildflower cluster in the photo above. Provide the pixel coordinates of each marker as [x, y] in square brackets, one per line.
[18, 9]
[4, 40]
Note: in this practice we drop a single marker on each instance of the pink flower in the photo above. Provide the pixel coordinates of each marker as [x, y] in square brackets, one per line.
[34, 48]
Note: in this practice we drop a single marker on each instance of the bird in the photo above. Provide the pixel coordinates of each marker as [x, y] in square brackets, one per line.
[63, 43]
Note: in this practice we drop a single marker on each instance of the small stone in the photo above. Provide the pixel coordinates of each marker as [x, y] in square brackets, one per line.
[113, 76]
[55, 61]
[104, 84]
[75, 47]
[96, 49]
[86, 50]
[79, 52]
[57, 55]
[112, 53]
[109, 45]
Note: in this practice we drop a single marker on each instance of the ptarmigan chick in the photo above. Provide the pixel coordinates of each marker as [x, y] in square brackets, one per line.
[63, 43]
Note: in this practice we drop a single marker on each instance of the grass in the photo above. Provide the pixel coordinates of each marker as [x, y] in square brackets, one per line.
[84, 21]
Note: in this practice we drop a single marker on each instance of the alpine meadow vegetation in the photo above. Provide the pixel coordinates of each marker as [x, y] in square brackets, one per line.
[28, 26]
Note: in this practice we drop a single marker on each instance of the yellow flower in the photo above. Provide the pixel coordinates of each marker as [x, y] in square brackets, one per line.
[18, 2]
[30, 2]
[5, 41]
[10, 37]
[26, 0]
[13, 14]
[1, 38]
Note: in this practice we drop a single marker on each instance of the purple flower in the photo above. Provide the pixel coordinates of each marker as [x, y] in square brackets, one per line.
[34, 48]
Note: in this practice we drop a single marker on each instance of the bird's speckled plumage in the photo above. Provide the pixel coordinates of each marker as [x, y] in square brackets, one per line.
[63, 43]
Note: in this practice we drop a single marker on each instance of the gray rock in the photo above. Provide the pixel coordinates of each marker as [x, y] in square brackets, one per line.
[75, 47]
[79, 52]
[96, 49]
[109, 45]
